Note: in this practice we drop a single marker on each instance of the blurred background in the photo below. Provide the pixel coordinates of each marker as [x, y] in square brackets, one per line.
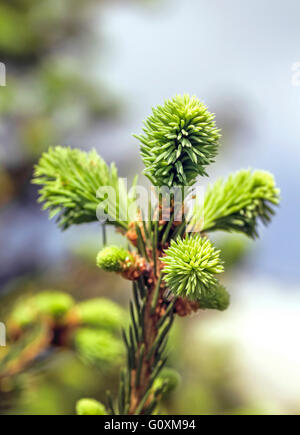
[85, 73]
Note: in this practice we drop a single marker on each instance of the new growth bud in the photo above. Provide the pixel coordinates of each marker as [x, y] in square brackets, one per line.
[216, 298]
[111, 259]
[191, 267]
[90, 407]
[180, 139]
[101, 313]
[169, 379]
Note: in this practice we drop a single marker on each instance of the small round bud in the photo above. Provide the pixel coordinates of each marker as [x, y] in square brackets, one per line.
[90, 407]
[98, 347]
[24, 314]
[101, 313]
[191, 266]
[169, 379]
[54, 303]
[217, 298]
[111, 258]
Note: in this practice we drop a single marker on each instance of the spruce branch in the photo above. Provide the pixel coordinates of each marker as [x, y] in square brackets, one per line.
[238, 203]
[152, 316]
[173, 265]
[70, 180]
[51, 320]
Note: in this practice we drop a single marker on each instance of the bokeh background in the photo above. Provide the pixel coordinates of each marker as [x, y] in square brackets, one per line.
[86, 73]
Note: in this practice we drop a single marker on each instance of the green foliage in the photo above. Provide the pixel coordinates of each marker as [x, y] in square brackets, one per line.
[49, 96]
[90, 407]
[70, 179]
[51, 303]
[30, 346]
[111, 258]
[27, 28]
[62, 85]
[24, 314]
[167, 381]
[98, 347]
[191, 266]
[50, 320]
[41, 100]
[15, 37]
[56, 304]
[180, 139]
[238, 203]
[216, 298]
[101, 313]
[234, 248]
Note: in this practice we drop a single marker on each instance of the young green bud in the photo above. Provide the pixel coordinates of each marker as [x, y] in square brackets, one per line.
[238, 203]
[111, 258]
[180, 139]
[54, 303]
[23, 315]
[101, 313]
[169, 379]
[90, 407]
[191, 267]
[98, 347]
[216, 298]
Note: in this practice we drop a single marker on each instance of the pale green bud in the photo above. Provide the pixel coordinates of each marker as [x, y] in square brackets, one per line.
[90, 407]
[111, 258]
[53, 303]
[180, 139]
[216, 298]
[98, 347]
[191, 267]
[169, 379]
[101, 313]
